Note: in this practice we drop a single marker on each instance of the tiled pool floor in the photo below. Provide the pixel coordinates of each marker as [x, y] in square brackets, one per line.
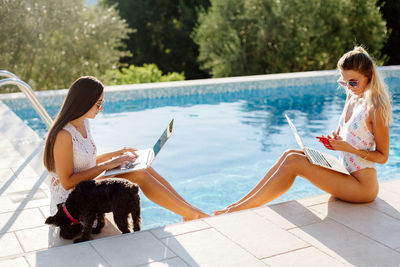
[317, 231]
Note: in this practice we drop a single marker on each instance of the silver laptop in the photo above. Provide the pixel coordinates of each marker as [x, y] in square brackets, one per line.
[316, 157]
[145, 156]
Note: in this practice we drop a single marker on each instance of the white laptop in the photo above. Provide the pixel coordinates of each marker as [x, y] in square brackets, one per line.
[145, 156]
[316, 157]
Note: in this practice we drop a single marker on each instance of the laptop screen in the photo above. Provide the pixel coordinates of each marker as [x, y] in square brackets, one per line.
[294, 130]
[163, 138]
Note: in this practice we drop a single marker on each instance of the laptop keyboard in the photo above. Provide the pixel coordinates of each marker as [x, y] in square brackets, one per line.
[317, 157]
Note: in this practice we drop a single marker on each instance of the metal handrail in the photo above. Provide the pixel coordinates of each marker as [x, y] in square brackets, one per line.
[27, 90]
[8, 74]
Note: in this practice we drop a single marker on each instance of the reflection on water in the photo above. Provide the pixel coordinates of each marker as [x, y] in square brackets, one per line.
[223, 143]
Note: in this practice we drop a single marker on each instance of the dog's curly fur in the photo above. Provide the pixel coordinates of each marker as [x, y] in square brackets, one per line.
[90, 200]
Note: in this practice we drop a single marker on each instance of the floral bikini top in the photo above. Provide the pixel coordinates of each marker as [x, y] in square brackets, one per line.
[357, 134]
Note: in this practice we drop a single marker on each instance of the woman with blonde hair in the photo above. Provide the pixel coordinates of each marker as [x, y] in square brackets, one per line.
[70, 154]
[362, 137]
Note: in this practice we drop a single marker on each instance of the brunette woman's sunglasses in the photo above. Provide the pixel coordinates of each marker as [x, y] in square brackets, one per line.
[100, 104]
[353, 84]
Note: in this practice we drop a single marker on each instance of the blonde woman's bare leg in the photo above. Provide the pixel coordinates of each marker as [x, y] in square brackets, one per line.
[263, 180]
[342, 186]
[161, 195]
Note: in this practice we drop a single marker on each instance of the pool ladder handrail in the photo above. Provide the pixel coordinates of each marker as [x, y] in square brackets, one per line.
[13, 79]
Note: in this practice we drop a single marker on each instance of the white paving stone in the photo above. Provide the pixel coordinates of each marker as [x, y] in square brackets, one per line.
[28, 204]
[365, 220]
[71, 255]
[393, 185]
[311, 201]
[26, 172]
[132, 249]
[50, 236]
[23, 184]
[387, 202]
[5, 143]
[14, 262]
[210, 248]
[11, 162]
[45, 210]
[288, 215]
[178, 229]
[305, 257]
[16, 131]
[21, 219]
[346, 245]
[32, 194]
[30, 147]
[260, 237]
[6, 174]
[175, 262]
[6, 205]
[33, 239]
[9, 245]
[9, 152]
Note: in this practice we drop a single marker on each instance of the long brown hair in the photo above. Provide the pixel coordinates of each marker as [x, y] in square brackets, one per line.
[376, 93]
[81, 97]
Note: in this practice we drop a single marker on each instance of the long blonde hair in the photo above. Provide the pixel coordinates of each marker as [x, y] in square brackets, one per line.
[376, 93]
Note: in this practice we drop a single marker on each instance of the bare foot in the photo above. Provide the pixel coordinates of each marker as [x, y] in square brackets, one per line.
[231, 205]
[219, 212]
[196, 216]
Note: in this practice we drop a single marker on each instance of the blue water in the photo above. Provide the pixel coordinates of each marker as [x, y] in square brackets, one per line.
[223, 141]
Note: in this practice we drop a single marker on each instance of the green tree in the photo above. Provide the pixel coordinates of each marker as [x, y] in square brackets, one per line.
[391, 11]
[161, 33]
[149, 73]
[50, 43]
[245, 37]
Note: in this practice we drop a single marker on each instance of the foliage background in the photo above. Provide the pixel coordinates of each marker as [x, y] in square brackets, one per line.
[49, 43]
[390, 10]
[161, 33]
[244, 37]
[148, 73]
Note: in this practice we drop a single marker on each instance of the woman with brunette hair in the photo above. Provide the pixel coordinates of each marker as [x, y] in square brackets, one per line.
[70, 153]
[362, 137]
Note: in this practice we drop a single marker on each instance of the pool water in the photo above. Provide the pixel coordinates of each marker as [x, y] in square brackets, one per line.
[223, 140]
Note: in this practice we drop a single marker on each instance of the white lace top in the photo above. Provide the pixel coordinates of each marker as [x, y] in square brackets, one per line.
[84, 157]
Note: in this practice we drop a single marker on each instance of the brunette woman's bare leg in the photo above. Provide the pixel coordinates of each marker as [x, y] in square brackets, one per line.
[161, 195]
[164, 182]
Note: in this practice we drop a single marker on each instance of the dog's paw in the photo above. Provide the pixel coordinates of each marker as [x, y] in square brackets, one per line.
[79, 240]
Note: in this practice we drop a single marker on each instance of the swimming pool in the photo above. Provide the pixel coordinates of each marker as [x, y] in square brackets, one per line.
[226, 135]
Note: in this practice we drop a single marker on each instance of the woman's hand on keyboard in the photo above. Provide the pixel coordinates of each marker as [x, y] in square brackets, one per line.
[117, 161]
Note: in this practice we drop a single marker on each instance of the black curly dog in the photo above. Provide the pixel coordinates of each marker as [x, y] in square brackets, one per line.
[90, 200]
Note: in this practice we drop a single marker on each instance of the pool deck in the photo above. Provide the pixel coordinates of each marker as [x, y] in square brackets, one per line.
[317, 231]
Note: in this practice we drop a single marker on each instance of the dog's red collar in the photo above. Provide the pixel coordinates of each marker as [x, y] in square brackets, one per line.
[73, 220]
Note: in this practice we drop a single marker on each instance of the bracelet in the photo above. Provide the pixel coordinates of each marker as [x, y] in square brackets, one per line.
[366, 155]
